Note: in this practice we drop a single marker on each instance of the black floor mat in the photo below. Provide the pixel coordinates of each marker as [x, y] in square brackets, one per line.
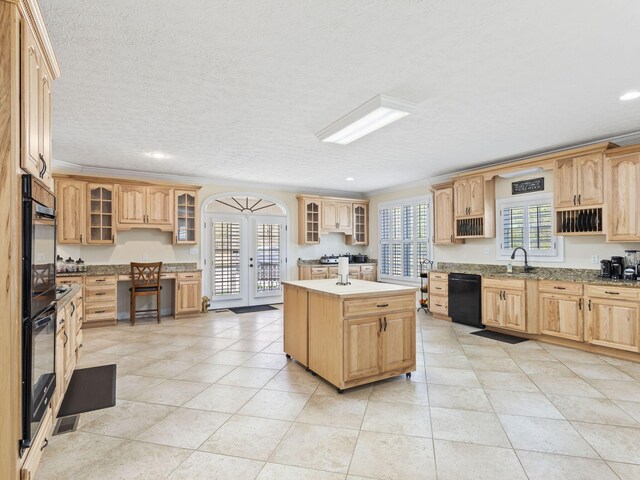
[501, 337]
[90, 389]
[256, 308]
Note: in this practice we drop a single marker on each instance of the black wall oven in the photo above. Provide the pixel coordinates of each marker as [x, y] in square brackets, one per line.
[38, 304]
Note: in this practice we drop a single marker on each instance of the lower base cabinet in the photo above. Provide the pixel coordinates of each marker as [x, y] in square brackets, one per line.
[613, 323]
[504, 308]
[188, 293]
[562, 316]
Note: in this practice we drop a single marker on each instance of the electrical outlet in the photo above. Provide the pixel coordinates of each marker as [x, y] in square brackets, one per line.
[193, 251]
[145, 257]
[487, 251]
[594, 259]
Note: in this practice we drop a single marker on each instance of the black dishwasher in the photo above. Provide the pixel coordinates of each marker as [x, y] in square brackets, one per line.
[464, 299]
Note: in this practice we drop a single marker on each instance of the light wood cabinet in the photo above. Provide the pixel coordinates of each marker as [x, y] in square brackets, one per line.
[362, 346]
[504, 304]
[613, 323]
[474, 208]
[398, 349]
[100, 214]
[145, 207]
[188, 293]
[100, 293]
[360, 224]
[186, 217]
[561, 309]
[308, 221]
[469, 196]
[71, 211]
[443, 216]
[439, 294]
[623, 198]
[364, 271]
[336, 216]
[578, 181]
[36, 109]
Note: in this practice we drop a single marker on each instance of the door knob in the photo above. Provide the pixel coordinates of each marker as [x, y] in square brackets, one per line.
[251, 264]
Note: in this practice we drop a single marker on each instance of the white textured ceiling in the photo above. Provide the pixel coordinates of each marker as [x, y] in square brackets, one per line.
[236, 90]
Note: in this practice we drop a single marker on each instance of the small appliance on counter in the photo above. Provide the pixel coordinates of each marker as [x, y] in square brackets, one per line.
[605, 269]
[359, 258]
[632, 259]
[329, 259]
[617, 268]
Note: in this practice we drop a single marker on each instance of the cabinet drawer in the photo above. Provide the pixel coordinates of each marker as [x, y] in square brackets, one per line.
[189, 276]
[34, 454]
[318, 270]
[504, 283]
[322, 276]
[438, 276]
[439, 305]
[367, 268]
[333, 270]
[353, 270]
[568, 288]
[439, 287]
[98, 312]
[100, 280]
[68, 280]
[612, 292]
[99, 294]
[378, 305]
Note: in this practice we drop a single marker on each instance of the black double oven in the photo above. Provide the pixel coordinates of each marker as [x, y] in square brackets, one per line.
[38, 304]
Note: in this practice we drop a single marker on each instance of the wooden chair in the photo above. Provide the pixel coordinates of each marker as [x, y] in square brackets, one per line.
[145, 281]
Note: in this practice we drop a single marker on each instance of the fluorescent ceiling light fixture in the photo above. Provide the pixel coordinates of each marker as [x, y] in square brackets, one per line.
[158, 155]
[381, 110]
[520, 173]
[630, 95]
[349, 179]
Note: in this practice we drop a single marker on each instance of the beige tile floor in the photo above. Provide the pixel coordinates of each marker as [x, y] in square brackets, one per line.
[214, 397]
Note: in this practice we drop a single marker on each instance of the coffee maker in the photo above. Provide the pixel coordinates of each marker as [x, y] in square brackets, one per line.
[617, 267]
[631, 264]
[605, 269]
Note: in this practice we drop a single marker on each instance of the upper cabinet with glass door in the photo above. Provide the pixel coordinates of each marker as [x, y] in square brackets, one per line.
[100, 214]
[186, 218]
[360, 225]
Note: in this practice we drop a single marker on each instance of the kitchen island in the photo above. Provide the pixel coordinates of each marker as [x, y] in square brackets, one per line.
[350, 335]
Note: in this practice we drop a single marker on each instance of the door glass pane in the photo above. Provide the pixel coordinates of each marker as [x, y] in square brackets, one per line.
[226, 258]
[268, 257]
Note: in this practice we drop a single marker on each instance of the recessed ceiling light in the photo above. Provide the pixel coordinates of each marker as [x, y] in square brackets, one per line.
[381, 110]
[631, 95]
[158, 155]
[349, 179]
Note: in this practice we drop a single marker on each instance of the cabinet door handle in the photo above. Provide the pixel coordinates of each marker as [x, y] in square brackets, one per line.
[73, 308]
[99, 294]
[66, 339]
[80, 238]
[45, 444]
[379, 325]
[579, 199]
[589, 304]
[385, 324]
[580, 304]
[612, 293]
[451, 238]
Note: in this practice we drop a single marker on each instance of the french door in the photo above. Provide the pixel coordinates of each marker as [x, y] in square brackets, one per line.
[246, 259]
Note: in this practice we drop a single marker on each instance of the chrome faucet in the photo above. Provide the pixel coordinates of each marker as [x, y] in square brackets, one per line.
[527, 268]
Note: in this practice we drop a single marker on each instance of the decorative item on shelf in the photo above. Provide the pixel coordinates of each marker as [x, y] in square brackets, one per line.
[343, 271]
[425, 266]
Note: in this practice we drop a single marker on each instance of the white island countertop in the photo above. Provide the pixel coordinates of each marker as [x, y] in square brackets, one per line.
[358, 288]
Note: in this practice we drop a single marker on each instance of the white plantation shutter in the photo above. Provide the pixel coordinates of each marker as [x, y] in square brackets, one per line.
[528, 223]
[405, 238]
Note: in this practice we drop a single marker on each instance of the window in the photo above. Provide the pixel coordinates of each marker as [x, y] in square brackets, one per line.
[405, 234]
[528, 222]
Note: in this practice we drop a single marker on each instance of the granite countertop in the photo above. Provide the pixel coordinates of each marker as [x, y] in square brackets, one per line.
[68, 296]
[580, 275]
[357, 287]
[316, 263]
[126, 269]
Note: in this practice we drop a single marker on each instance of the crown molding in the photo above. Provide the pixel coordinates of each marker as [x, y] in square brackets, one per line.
[33, 15]
[60, 166]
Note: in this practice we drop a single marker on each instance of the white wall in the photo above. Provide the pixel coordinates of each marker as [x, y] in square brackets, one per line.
[577, 250]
